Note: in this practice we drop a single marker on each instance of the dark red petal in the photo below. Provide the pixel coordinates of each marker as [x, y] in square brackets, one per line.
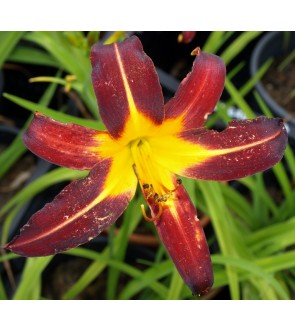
[73, 217]
[125, 82]
[244, 148]
[199, 92]
[68, 145]
[182, 234]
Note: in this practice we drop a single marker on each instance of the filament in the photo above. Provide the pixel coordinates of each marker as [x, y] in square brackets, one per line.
[151, 219]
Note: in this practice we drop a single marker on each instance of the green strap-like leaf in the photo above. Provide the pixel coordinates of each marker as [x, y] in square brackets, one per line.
[35, 107]
[254, 269]
[8, 40]
[238, 45]
[29, 55]
[31, 276]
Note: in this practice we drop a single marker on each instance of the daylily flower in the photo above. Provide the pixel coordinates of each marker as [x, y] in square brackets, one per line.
[146, 142]
[186, 36]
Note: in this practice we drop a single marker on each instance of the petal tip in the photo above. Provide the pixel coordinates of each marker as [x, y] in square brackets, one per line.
[196, 51]
[14, 248]
[197, 291]
[5, 246]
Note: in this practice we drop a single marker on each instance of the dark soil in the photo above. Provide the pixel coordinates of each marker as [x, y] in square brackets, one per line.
[64, 275]
[16, 177]
[280, 84]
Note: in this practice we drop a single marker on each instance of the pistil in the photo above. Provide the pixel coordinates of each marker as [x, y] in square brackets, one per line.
[146, 170]
[151, 178]
[151, 219]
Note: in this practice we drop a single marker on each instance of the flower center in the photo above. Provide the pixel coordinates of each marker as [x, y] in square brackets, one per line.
[156, 182]
[147, 171]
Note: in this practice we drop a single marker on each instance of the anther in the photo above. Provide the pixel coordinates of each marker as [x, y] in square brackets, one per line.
[153, 218]
[179, 181]
[156, 196]
[148, 190]
[163, 199]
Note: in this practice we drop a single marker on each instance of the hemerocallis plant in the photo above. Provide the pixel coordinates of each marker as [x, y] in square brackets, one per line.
[146, 143]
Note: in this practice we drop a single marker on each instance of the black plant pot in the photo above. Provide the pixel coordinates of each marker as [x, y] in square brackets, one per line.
[272, 45]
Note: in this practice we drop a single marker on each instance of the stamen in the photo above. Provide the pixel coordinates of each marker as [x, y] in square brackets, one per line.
[164, 198]
[156, 196]
[148, 190]
[153, 218]
[179, 181]
[155, 187]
